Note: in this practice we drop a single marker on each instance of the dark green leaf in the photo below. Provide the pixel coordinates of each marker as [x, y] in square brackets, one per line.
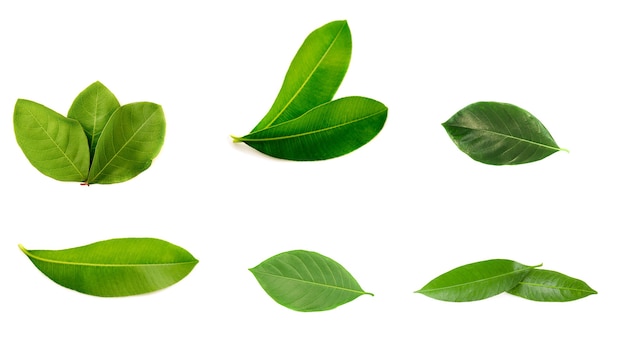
[116, 267]
[306, 281]
[500, 134]
[92, 109]
[549, 286]
[55, 145]
[329, 130]
[314, 75]
[476, 281]
[129, 142]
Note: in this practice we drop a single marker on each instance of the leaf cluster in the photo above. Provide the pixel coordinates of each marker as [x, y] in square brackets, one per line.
[480, 280]
[98, 141]
[304, 124]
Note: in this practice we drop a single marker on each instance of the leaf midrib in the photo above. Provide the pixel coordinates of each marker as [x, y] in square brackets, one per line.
[558, 287]
[474, 282]
[309, 132]
[55, 143]
[311, 283]
[54, 261]
[306, 81]
[124, 145]
[511, 137]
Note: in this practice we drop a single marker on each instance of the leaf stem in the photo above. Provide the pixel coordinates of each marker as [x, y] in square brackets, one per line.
[236, 139]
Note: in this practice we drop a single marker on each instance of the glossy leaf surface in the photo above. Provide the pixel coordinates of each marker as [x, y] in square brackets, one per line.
[54, 145]
[329, 130]
[92, 109]
[500, 134]
[314, 75]
[306, 281]
[476, 281]
[116, 267]
[129, 142]
[550, 286]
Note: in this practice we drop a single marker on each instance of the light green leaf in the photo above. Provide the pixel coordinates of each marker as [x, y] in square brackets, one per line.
[329, 130]
[115, 267]
[476, 281]
[92, 109]
[314, 75]
[550, 286]
[54, 145]
[306, 281]
[129, 142]
[500, 134]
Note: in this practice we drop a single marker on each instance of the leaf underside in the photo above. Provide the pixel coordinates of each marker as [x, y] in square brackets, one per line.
[476, 281]
[129, 142]
[54, 145]
[327, 131]
[92, 109]
[500, 134]
[306, 281]
[314, 75]
[116, 267]
[550, 286]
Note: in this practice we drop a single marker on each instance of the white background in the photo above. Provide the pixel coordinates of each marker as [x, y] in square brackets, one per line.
[397, 212]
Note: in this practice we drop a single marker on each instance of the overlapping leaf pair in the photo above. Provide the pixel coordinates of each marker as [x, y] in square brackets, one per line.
[304, 124]
[480, 280]
[98, 142]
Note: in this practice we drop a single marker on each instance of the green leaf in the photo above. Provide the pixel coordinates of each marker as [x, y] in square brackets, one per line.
[314, 75]
[54, 145]
[115, 267]
[306, 281]
[549, 286]
[500, 134]
[92, 109]
[476, 281]
[129, 142]
[329, 130]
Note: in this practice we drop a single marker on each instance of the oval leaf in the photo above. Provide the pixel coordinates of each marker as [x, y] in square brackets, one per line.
[306, 281]
[54, 145]
[115, 267]
[327, 131]
[550, 286]
[314, 75]
[92, 109]
[500, 134]
[476, 281]
[129, 142]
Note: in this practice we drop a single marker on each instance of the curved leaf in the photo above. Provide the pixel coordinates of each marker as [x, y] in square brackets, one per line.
[54, 144]
[115, 267]
[129, 142]
[500, 134]
[329, 130]
[476, 281]
[306, 281]
[314, 75]
[92, 109]
[550, 286]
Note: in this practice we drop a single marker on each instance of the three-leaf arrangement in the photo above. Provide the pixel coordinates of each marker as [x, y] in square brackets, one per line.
[304, 124]
[306, 281]
[115, 267]
[485, 279]
[500, 134]
[98, 142]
